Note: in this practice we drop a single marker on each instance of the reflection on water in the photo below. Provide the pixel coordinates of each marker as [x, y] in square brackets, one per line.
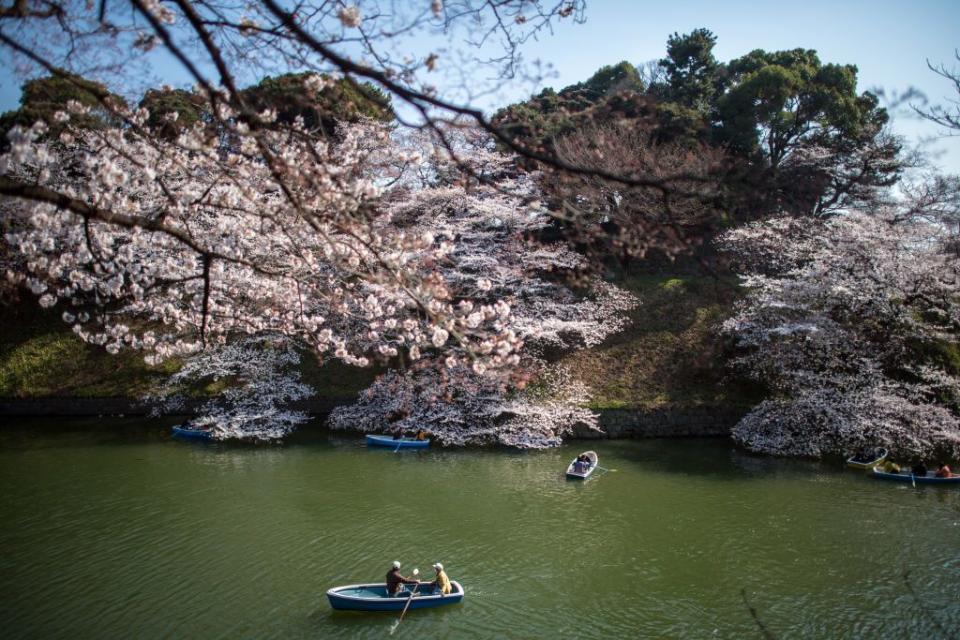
[112, 529]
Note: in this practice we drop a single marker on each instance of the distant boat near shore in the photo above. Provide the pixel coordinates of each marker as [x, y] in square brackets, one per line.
[396, 443]
[191, 433]
[906, 476]
[867, 461]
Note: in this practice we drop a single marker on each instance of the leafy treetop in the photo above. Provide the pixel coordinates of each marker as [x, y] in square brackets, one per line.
[320, 105]
[42, 97]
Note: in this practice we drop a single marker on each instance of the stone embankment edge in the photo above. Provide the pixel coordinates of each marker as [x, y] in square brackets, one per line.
[697, 421]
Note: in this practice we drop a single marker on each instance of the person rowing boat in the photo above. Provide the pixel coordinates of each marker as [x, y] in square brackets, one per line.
[582, 463]
[395, 581]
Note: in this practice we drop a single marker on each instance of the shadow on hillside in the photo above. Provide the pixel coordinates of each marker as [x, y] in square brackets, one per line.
[671, 353]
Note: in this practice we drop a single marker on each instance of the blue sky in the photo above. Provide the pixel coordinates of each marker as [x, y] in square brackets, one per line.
[888, 41]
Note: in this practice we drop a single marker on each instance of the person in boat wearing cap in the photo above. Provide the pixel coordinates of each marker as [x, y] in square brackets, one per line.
[395, 580]
[442, 583]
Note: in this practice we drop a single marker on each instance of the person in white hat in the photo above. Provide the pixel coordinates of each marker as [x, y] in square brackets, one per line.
[395, 580]
[442, 583]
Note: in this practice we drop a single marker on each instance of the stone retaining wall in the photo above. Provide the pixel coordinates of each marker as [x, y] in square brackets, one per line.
[662, 423]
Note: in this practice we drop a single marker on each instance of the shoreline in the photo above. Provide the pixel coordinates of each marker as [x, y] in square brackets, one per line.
[666, 422]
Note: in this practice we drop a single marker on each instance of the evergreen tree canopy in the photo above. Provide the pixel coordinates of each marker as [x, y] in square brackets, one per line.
[291, 96]
[41, 98]
[693, 74]
[778, 101]
[162, 103]
[803, 139]
[612, 94]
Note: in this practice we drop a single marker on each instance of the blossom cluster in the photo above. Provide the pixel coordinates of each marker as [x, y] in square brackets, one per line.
[262, 379]
[457, 407]
[172, 246]
[365, 248]
[495, 263]
[843, 321]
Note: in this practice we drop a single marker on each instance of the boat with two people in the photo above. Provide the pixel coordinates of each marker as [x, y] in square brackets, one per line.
[398, 443]
[867, 459]
[582, 466]
[908, 475]
[374, 597]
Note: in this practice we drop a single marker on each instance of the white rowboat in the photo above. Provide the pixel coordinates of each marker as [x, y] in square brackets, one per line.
[579, 473]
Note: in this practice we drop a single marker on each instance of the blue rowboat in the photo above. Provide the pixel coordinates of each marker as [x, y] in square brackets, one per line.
[191, 434]
[373, 597]
[906, 476]
[402, 443]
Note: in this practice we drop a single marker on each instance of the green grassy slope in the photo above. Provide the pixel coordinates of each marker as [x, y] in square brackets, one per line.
[41, 357]
[670, 355]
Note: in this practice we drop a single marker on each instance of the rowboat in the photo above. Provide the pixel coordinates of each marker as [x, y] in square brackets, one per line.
[373, 597]
[399, 443]
[189, 433]
[573, 472]
[868, 461]
[906, 476]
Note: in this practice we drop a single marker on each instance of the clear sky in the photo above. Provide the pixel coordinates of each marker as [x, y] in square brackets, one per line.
[888, 41]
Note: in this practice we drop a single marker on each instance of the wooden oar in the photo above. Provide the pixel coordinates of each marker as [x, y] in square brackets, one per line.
[416, 572]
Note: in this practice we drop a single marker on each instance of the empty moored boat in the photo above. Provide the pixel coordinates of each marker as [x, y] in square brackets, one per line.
[578, 472]
[868, 460]
[373, 597]
[397, 443]
[191, 433]
[906, 476]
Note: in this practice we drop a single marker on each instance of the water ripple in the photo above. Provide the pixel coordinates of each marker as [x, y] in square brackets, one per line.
[124, 536]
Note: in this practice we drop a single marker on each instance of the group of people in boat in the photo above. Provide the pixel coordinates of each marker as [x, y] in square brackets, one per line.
[396, 582]
[399, 435]
[582, 463]
[919, 469]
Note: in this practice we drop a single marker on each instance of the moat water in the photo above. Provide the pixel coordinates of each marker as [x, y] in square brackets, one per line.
[111, 529]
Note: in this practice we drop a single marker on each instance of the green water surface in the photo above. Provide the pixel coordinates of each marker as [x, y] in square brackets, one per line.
[113, 530]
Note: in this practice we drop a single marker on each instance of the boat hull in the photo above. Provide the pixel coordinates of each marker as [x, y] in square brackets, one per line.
[372, 597]
[572, 474]
[390, 443]
[908, 477]
[191, 434]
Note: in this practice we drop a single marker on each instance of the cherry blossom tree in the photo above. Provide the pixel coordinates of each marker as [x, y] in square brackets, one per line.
[457, 407]
[821, 180]
[395, 250]
[261, 375]
[425, 65]
[851, 323]
[946, 115]
[170, 246]
[632, 220]
[221, 45]
[495, 256]
[181, 239]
